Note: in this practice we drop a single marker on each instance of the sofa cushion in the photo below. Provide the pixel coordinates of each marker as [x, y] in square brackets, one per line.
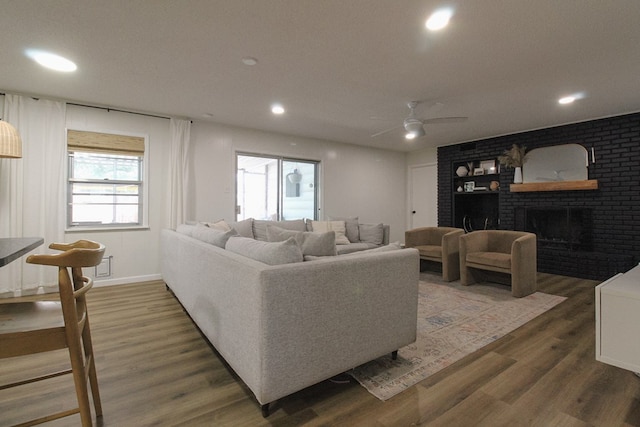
[244, 227]
[431, 251]
[494, 259]
[317, 244]
[212, 236]
[351, 227]
[354, 247]
[371, 233]
[260, 227]
[337, 226]
[272, 253]
[390, 247]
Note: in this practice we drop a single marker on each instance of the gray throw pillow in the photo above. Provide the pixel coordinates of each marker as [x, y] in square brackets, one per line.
[269, 253]
[371, 233]
[260, 227]
[213, 236]
[244, 227]
[351, 225]
[317, 244]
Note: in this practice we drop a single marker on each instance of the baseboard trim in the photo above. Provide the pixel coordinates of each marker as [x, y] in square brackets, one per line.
[127, 280]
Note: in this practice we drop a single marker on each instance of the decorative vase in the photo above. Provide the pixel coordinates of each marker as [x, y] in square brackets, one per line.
[517, 176]
[462, 171]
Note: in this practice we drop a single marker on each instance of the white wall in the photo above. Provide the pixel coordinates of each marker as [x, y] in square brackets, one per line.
[355, 181]
[136, 253]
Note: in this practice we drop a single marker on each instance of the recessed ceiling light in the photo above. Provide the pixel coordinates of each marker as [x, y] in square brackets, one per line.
[410, 135]
[277, 109]
[51, 60]
[439, 19]
[249, 60]
[569, 99]
[566, 100]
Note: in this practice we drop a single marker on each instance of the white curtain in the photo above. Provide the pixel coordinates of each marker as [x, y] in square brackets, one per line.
[32, 189]
[179, 170]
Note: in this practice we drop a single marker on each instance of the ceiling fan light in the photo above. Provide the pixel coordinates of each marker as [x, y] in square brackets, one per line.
[414, 128]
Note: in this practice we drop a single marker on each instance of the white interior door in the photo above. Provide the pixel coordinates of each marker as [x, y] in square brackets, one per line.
[424, 196]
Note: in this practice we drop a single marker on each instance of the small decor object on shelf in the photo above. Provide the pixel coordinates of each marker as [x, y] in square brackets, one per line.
[469, 186]
[514, 158]
[459, 189]
[495, 185]
[478, 171]
[462, 171]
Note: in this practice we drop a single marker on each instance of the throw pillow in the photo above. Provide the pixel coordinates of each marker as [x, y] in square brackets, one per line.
[351, 226]
[317, 244]
[371, 233]
[213, 236]
[260, 227]
[337, 226]
[244, 227]
[218, 225]
[269, 253]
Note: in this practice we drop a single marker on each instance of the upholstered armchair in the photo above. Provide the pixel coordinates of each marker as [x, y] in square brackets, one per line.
[439, 244]
[502, 251]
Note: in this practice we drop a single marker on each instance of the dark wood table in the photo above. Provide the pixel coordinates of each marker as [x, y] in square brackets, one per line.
[12, 248]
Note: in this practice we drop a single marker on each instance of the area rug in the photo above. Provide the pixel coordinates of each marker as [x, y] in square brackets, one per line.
[453, 321]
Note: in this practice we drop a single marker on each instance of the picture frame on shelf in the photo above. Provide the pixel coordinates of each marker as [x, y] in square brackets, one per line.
[469, 186]
[488, 166]
[478, 171]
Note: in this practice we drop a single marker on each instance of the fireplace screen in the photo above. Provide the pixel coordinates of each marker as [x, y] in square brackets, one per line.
[557, 227]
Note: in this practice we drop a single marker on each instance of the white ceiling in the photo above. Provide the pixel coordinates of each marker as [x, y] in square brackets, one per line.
[343, 69]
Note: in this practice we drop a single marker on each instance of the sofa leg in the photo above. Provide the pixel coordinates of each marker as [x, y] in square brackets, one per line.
[265, 410]
[394, 355]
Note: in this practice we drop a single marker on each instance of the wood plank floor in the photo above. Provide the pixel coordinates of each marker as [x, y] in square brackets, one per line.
[155, 369]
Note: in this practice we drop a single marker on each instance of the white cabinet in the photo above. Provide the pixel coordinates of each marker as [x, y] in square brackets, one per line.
[618, 320]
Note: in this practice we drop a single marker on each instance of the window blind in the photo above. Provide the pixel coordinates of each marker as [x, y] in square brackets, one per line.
[104, 143]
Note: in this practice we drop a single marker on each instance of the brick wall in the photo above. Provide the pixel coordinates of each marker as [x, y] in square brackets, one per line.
[615, 206]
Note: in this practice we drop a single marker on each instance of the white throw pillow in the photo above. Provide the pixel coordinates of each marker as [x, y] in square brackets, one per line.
[351, 226]
[337, 226]
[218, 225]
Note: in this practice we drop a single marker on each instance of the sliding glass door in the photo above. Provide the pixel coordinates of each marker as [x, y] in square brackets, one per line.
[275, 188]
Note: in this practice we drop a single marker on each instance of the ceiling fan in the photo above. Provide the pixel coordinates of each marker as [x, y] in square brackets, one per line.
[415, 125]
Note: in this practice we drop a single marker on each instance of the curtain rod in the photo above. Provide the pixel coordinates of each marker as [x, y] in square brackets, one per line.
[109, 109]
[119, 111]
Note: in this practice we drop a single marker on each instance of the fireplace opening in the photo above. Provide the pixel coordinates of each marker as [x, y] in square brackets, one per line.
[563, 228]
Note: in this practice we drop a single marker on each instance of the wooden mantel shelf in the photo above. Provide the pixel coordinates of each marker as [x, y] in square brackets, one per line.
[590, 184]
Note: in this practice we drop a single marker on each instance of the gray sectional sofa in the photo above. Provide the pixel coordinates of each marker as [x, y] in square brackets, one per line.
[287, 326]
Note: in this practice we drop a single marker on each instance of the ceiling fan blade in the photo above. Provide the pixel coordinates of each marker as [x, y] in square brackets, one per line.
[385, 131]
[444, 120]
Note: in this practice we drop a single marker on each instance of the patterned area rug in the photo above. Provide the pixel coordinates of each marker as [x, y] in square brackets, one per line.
[453, 321]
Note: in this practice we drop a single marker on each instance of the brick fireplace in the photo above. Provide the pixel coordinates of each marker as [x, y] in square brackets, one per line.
[592, 234]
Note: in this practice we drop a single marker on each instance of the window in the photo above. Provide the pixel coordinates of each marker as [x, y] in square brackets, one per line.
[276, 188]
[105, 185]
